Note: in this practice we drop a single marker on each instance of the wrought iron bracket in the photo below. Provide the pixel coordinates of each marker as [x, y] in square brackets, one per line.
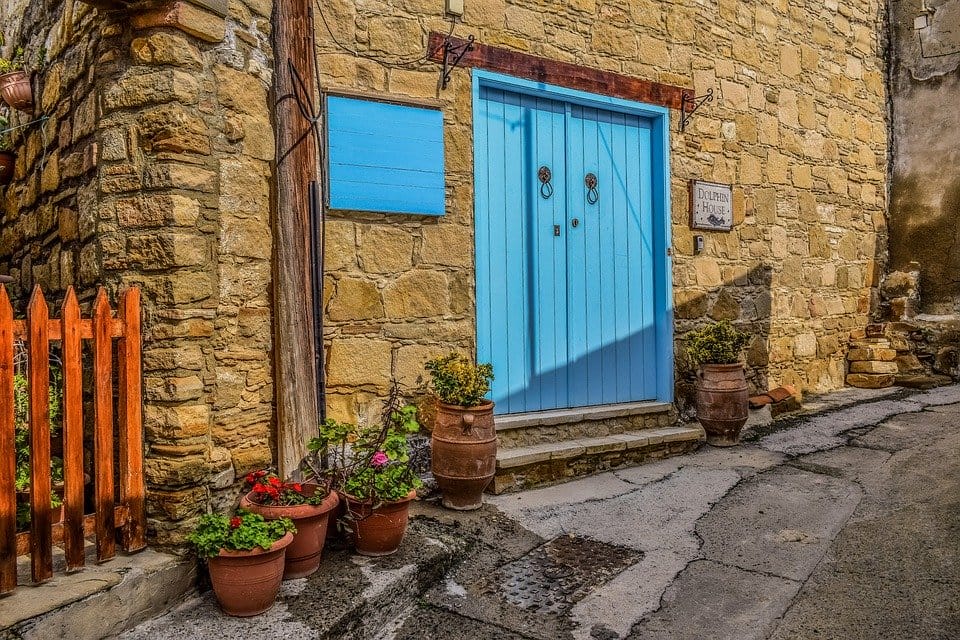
[689, 104]
[452, 55]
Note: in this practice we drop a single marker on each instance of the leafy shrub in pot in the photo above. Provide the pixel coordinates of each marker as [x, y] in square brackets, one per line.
[721, 387]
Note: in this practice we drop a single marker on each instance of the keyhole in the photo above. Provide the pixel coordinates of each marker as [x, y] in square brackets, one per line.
[575, 222]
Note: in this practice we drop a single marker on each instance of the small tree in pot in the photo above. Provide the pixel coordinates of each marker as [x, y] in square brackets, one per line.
[464, 439]
[721, 398]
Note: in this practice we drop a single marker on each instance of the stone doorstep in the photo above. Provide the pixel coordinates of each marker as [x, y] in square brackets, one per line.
[568, 416]
[98, 601]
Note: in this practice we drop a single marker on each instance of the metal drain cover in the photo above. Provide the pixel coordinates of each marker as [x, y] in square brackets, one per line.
[556, 575]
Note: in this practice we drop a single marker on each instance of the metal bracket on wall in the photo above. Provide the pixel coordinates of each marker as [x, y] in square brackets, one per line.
[689, 104]
[452, 55]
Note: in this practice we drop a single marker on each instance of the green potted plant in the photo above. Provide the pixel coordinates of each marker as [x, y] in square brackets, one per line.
[371, 469]
[721, 387]
[308, 505]
[15, 86]
[7, 158]
[245, 556]
[464, 439]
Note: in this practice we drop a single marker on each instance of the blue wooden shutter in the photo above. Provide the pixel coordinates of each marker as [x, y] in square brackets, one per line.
[384, 157]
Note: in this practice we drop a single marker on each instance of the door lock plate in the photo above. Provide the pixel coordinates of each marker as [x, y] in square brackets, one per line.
[556, 230]
[575, 222]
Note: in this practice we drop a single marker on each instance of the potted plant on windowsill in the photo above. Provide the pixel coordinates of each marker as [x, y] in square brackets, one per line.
[464, 440]
[15, 86]
[245, 555]
[370, 467]
[7, 158]
[308, 505]
[721, 387]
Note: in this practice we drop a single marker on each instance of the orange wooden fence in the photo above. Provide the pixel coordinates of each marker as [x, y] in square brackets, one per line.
[115, 509]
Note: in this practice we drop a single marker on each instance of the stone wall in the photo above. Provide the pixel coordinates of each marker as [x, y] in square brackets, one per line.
[925, 181]
[798, 128]
[156, 172]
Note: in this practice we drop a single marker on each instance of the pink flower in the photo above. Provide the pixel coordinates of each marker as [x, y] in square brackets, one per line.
[379, 459]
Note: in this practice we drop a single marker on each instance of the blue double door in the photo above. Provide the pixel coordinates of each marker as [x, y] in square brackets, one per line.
[565, 253]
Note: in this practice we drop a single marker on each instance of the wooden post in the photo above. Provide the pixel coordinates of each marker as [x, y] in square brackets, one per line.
[132, 495]
[72, 432]
[295, 382]
[8, 454]
[103, 427]
[38, 345]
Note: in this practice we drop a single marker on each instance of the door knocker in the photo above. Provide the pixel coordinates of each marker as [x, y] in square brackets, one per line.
[546, 189]
[592, 194]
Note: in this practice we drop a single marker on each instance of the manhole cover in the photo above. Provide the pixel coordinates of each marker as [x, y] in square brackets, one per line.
[555, 575]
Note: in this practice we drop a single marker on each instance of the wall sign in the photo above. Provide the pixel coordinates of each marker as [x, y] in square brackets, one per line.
[711, 206]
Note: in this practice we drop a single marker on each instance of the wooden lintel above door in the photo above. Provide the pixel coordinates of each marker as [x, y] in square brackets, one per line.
[556, 72]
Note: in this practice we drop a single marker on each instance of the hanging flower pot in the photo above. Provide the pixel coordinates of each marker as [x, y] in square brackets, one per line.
[16, 91]
[309, 506]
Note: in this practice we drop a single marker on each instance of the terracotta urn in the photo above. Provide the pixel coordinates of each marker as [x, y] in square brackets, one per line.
[304, 553]
[722, 402]
[16, 90]
[463, 453]
[378, 530]
[246, 583]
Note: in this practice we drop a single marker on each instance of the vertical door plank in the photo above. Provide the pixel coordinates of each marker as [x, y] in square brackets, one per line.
[603, 213]
[72, 432]
[103, 428]
[641, 270]
[625, 221]
[41, 537]
[482, 204]
[8, 464]
[131, 427]
[576, 259]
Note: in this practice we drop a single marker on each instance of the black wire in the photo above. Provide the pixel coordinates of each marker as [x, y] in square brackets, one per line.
[411, 63]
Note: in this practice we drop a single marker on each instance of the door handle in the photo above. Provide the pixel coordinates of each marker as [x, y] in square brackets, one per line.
[592, 194]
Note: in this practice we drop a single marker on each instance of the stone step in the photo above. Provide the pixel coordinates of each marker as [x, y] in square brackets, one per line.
[550, 462]
[543, 427]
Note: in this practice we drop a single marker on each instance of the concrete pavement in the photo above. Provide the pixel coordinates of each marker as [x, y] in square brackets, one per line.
[844, 524]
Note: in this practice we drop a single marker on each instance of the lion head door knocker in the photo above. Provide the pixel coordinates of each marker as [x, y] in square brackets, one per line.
[593, 196]
[545, 176]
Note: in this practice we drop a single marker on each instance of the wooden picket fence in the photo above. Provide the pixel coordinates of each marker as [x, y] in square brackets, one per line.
[115, 509]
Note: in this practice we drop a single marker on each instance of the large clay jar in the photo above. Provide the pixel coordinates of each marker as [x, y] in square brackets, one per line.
[463, 453]
[246, 582]
[304, 554]
[16, 91]
[378, 531]
[7, 162]
[722, 406]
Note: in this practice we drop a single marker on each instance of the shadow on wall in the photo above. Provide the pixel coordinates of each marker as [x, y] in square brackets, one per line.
[921, 232]
[745, 300]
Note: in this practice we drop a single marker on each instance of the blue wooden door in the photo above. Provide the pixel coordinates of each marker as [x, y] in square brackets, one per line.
[564, 273]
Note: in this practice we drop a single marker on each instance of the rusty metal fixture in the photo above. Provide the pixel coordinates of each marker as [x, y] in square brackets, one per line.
[722, 402]
[7, 163]
[464, 458]
[304, 553]
[16, 90]
[246, 582]
[377, 530]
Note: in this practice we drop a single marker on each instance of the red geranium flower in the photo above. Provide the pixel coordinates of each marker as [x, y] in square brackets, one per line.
[235, 522]
[275, 481]
[297, 487]
[261, 473]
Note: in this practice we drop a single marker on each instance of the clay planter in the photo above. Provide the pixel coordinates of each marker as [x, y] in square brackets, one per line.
[246, 582]
[378, 531]
[722, 406]
[7, 162]
[304, 553]
[16, 91]
[463, 453]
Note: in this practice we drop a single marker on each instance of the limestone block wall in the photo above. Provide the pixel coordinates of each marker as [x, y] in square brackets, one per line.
[798, 127]
[925, 127]
[156, 172]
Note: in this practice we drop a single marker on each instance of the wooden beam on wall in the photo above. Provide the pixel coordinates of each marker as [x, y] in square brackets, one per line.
[295, 376]
[563, 74]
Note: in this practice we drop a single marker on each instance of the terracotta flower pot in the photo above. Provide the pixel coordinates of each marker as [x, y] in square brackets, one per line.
[16, 90]
[7, 163]
[722, 402]
[304, 553]
[246, 582]
[378, 531]
[463, 453]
